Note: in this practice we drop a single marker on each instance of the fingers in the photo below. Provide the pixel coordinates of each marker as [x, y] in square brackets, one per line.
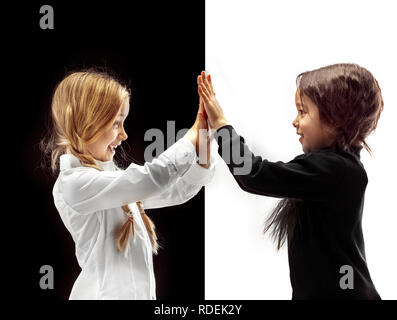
[210, 82]
[207, 82]
[204, 89]
[203, 92]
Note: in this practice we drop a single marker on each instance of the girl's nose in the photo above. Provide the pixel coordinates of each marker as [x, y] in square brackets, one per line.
[123, 135]
[295, 123]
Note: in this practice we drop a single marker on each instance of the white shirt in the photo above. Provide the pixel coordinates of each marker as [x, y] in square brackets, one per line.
[89, 203]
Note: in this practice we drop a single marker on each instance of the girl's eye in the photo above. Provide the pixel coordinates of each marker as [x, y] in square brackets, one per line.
[116, 124]
[302, 112]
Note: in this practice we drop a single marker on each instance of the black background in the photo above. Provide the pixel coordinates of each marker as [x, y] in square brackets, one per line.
[157, 48]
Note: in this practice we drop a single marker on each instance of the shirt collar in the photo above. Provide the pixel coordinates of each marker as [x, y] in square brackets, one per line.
[68, 161]
[346, 153]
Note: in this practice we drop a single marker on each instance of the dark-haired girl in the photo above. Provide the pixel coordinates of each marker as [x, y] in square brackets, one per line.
[322, 190]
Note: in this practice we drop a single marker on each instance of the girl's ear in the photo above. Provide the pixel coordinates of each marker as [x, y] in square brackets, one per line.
[333, 130]
[330, 126]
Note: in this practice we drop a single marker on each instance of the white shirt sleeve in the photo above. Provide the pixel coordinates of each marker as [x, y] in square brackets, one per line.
[185, 188]
[88, 190]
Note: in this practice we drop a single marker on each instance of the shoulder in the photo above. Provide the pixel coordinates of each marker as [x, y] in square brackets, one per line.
[349, 168]
[322, 158]
[75, 175]
[327, 155]
[73, 182]
[321, 163]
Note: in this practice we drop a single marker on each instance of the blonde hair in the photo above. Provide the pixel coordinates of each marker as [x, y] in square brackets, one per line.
[84, 104]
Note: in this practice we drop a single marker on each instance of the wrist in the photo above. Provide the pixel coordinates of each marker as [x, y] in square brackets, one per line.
[191, 136]
[219, 123]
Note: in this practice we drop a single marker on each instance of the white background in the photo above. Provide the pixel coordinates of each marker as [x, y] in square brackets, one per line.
[254, 51]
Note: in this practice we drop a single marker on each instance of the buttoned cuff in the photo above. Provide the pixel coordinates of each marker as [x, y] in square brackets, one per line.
[199, 175]
[182, 154]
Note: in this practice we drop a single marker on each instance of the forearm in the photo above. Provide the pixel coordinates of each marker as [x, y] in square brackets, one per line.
[185, 188]
[314, 176]
[241, 162]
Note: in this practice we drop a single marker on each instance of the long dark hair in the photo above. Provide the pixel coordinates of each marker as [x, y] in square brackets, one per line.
[349, 99]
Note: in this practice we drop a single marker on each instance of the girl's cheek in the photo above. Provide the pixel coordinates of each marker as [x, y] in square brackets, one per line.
[115, 134]
[111, 134]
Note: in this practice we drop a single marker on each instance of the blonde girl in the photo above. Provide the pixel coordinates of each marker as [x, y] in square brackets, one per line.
[101, 205]
[322, 190]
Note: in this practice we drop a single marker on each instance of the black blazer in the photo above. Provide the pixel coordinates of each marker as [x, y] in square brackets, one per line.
[332, 186]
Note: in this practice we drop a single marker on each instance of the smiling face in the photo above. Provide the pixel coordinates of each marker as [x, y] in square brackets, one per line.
[103, 149]
[314, 134]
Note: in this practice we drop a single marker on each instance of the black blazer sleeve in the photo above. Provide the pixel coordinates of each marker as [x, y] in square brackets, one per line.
[312, 176]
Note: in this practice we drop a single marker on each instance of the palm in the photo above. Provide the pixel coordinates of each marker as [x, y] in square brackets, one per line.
[213, 109]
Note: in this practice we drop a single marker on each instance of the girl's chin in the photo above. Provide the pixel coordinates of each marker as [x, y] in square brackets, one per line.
[107, 156]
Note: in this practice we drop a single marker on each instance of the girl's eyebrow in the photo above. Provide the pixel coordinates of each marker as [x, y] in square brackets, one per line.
[301, 104]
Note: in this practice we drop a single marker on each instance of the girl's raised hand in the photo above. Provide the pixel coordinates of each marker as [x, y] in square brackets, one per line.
[199, 136]
[216, 118]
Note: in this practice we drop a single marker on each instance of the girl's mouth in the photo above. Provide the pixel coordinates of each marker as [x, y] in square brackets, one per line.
[112, 149]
